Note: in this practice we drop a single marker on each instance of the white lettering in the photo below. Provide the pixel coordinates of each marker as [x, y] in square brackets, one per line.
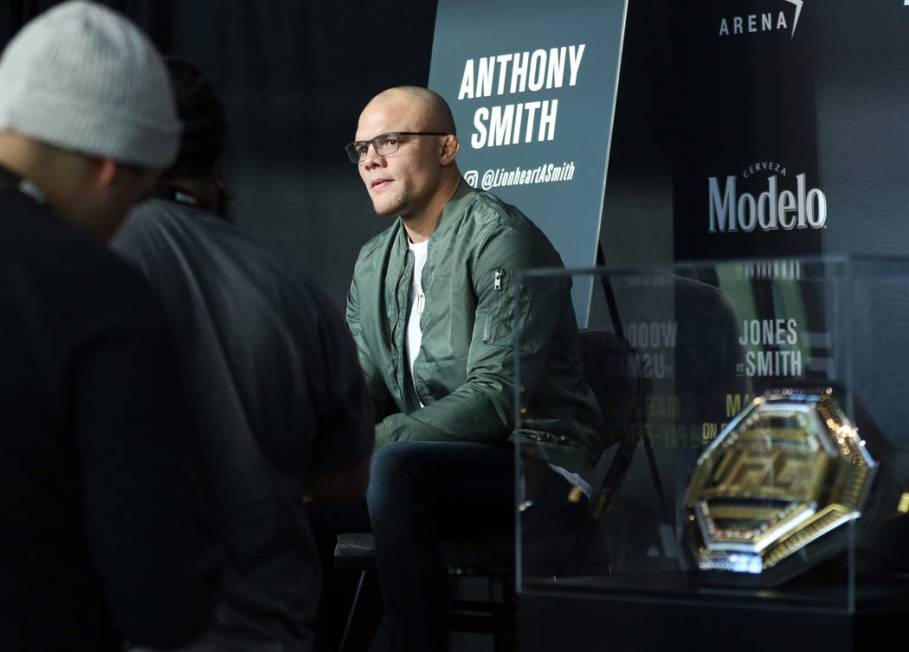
[773, 363]
[817, 218]
[722, 212]
[531, 108]
[519, 73]
[466, 90]
[787, 204]
[767, 217]
[537, 70]
[771, 210]
[478, 138]
[502, 60]
[652, 335]
[518, 115]
[510, 124]
[754, 23]
[747, 219]
[555, 74]
[500, 125]
[485, 75]
[769, 332]
[548, 120]
[780, 269]
[575, 54]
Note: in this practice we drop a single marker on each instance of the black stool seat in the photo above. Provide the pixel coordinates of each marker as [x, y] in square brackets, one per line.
[355, 550]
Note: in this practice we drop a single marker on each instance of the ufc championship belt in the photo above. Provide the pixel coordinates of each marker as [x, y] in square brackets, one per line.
[780, 479]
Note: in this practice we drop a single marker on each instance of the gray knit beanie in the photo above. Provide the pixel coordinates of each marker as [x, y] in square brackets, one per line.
[84, 78]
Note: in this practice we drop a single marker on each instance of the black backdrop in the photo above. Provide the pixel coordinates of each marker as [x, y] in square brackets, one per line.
[828, 100]
[294, 76]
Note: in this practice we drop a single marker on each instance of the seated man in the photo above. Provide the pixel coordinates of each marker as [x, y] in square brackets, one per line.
[433, 314]
[274, 374]
[103, 536]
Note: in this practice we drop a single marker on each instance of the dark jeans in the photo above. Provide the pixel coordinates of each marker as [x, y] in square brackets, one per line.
[421, 494]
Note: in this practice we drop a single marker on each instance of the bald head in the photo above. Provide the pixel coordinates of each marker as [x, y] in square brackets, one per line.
[430, 107]
[407, 146]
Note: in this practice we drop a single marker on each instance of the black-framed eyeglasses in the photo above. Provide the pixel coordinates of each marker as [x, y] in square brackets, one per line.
[384, 144]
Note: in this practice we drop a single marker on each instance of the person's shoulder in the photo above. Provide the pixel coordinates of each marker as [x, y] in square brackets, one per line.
[161, 219]
[490, 213]
[60, 251]
[75, 277]
[163, 236]
[493, 219]
[499, 228]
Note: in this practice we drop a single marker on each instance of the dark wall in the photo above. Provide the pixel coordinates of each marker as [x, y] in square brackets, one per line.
[827, 101]
[638, 212]
[294, 76]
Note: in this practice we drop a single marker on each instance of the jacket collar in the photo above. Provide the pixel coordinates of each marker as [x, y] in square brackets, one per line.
[452, 213]
[455, 208]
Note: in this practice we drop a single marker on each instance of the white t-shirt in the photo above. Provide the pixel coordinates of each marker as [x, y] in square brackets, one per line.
[417, 304]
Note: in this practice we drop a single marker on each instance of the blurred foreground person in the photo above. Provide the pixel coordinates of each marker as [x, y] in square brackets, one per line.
[274, 374]
[102, 536]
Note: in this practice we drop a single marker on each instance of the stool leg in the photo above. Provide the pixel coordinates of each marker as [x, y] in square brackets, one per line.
[353, 611]
[364, 617]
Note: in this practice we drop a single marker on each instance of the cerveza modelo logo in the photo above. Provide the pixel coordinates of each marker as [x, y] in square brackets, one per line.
[780, 206]
[783, 19]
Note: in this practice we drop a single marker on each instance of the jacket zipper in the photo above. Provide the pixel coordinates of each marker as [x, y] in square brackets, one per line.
[498, 277]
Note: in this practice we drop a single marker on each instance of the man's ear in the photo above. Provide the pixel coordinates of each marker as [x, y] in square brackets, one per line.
[104, 171]
[450, 148]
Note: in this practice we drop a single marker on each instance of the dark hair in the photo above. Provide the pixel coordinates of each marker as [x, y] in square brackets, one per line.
[202, 114]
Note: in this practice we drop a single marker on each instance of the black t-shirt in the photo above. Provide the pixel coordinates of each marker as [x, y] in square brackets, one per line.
[101, 530]
[275, 376]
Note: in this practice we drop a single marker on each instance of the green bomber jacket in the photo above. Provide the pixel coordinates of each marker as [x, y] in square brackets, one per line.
[464, 374]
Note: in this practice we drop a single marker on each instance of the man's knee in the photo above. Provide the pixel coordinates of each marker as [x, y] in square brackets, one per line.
[394, 459]
[396, 471]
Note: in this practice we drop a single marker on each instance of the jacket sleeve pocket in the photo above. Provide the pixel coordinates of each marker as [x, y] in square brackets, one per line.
[507, 312]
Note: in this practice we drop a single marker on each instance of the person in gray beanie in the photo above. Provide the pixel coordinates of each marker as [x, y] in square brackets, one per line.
[87, 110]
[103, 535]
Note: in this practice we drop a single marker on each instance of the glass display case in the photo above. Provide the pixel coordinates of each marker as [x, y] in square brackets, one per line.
[751, 448]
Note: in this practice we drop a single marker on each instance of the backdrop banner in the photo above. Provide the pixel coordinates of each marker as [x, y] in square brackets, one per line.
[790, 140]
[532, 86]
